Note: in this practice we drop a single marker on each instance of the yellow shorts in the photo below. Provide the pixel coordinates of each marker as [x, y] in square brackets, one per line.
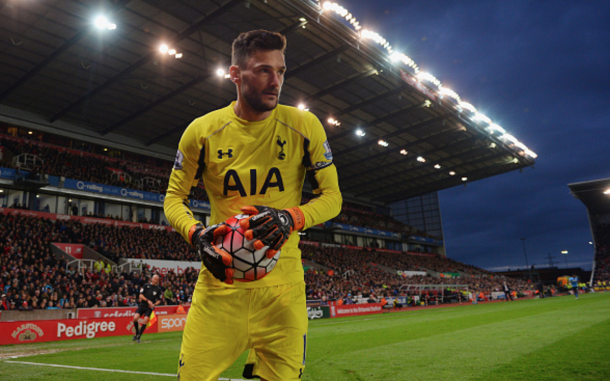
[224, 322]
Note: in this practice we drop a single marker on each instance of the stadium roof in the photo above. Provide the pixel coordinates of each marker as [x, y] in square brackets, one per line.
[397, 132]
[594, 194]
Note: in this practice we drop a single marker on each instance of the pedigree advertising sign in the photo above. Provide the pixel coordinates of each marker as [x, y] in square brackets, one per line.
[66, 329]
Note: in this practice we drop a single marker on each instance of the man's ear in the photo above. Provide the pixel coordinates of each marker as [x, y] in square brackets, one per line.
[235, 74]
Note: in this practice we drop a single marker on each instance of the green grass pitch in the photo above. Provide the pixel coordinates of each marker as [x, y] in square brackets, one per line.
[556, 338]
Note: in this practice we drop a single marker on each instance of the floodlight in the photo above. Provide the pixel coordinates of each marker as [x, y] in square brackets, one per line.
[171, 52]
[421, 159]
[383, 143]
[468, 106]
[464, 178]
[494, 127]
[220, 72]
[101, 22]
[607, 191]
[451, 173]
[404, 152]
[450, 93]
[437, 166]
[301, 106]
[163, 48]
[178, 55]
[359, 132]
[483, 118]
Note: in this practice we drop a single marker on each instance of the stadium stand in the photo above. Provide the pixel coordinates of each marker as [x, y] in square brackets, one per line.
[353, 215]
[368, 272]
[31, 273]
[86, 166]
[602, 256]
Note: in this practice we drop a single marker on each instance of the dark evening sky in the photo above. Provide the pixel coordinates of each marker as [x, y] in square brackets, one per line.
[539, 69]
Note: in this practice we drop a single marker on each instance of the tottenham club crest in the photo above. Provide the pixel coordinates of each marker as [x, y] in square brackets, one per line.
[281, 143]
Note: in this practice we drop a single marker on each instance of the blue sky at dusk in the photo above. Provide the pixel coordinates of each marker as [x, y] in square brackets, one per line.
[541, 70]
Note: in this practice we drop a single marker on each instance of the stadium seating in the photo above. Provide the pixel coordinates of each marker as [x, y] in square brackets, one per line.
[85, 166]
[30, 273]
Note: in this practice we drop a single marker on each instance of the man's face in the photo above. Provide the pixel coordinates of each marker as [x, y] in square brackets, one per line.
[262, 79]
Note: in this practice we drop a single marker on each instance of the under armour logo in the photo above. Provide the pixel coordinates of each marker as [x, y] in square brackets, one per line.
[229, 153]
[281, 143]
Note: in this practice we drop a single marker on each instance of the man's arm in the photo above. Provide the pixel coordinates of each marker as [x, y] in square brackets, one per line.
[182, 179]
[328, 204]
[322, 174]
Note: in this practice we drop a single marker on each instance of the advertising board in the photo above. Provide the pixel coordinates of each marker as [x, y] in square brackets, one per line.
[171, 323]
[108, 312]
[355, 309]
[38, 331]
[320, 312]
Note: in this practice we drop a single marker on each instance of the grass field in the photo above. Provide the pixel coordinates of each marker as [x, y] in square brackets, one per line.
[538, 339]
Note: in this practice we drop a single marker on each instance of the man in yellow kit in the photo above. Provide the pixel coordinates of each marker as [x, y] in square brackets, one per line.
[252, 153]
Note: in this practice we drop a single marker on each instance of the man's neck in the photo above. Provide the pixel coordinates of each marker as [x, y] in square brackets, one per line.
[244, 111]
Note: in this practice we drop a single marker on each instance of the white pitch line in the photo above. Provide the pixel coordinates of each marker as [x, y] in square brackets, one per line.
[344, 321]
[108, 370]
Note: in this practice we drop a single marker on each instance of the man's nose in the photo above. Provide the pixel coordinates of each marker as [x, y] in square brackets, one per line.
[275, 80]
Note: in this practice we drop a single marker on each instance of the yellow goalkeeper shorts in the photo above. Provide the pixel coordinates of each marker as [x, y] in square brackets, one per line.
[224, 322]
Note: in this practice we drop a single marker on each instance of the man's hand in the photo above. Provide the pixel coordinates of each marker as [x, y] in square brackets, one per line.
[271, 227]
[216, 260]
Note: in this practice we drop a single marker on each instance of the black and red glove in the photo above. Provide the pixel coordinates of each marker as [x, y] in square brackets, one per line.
[271, 227]
[215, 259]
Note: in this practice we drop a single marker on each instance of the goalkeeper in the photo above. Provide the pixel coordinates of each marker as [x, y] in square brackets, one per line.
[251, 153]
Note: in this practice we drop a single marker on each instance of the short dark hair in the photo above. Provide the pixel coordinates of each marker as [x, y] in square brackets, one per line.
[247, 43]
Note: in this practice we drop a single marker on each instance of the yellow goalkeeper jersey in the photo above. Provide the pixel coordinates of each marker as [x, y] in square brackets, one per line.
[255, 163]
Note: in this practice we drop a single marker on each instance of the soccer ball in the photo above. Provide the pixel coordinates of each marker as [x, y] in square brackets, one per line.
[249, 264]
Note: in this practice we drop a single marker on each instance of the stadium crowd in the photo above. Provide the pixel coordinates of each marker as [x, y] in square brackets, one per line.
[33, 278]
[353, 272]
[57, 161]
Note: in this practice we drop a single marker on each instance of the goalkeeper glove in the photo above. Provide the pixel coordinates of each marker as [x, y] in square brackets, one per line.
[216, 260]
[271, 227]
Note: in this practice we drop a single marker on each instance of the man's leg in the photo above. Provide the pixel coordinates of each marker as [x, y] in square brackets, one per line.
[278, 331]
[143, 327]
[215, 334]
[136, 326]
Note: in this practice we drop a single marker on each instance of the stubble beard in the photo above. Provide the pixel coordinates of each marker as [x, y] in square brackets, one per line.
[255, 100]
